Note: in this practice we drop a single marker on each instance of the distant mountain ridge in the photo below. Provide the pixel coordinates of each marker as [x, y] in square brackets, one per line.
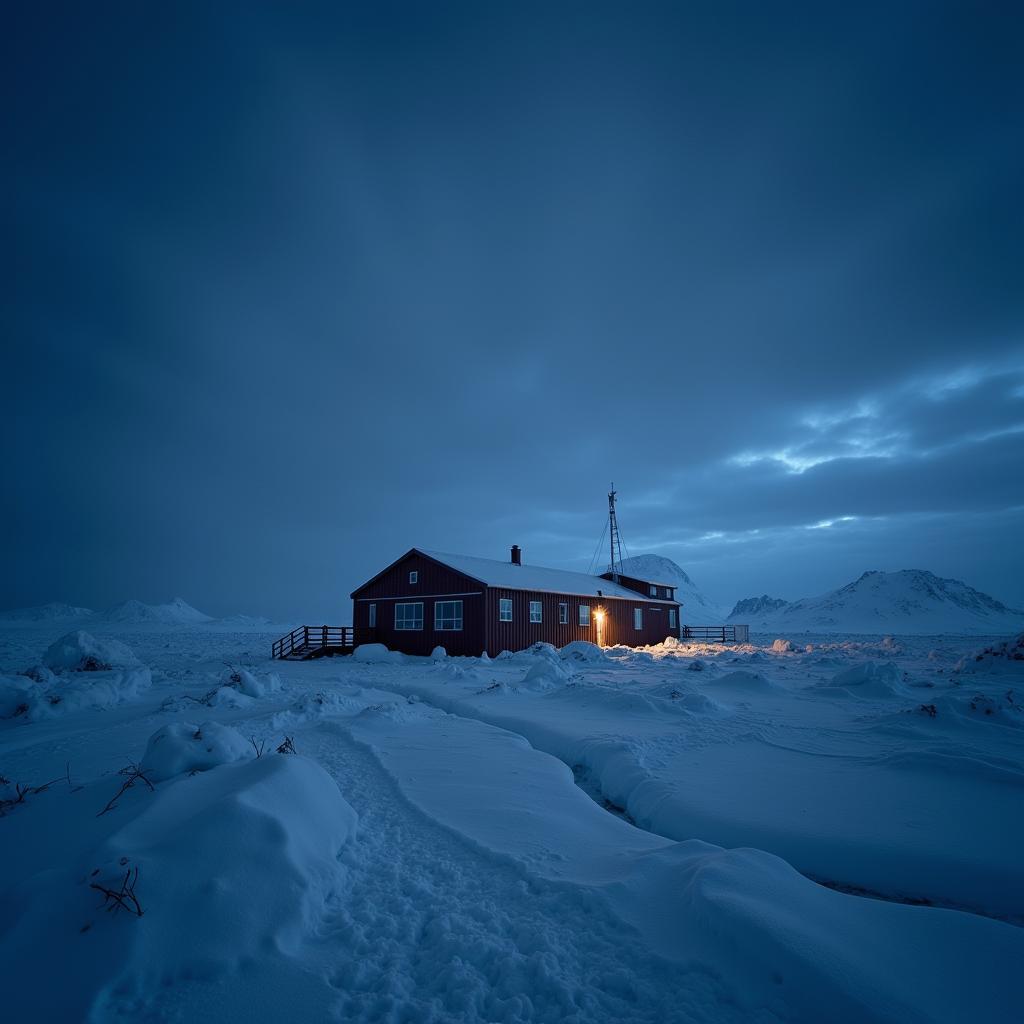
[175, 611]
[698, 609]
[910, 601]
[757, 606]
[55, 611]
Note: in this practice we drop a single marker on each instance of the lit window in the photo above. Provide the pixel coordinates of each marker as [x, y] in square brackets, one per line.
[409, 616]
[535, 612]
[638, 618]
[672, 618]
[563, 614]
[584, 614]
[373, 615]
[505, 609]
[414, 577]
[447, 615]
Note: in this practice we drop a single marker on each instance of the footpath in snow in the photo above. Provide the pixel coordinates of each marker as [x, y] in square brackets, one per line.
[429, 853]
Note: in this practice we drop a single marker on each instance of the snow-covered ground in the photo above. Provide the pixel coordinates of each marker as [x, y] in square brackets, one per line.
[626, 835]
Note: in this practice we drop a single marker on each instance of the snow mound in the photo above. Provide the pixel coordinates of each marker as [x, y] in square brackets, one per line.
[1007, 656]
[17, 695]
[231, 868]
[783, 646]
[376, 654]
[176, 612]
[749, 682]
[582, 650]
[82, 652]
[55, 611]
[184, 747]
[254, 685]
[36, 698]
[438, 653]
[871, 680]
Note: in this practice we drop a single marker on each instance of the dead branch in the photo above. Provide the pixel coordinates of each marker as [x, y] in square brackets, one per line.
[258, 747]
[287, 747]
[123, 898]
[132, 773]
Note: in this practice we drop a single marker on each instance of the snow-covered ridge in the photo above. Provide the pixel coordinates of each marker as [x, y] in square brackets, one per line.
[910, 601]
[176, 612]
[752, 606]
[55, 611]
[698, 609]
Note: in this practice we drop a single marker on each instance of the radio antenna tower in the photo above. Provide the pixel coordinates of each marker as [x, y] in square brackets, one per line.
[613, 537]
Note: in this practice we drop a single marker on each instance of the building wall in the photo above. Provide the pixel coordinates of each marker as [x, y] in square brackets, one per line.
[482, 630]
[643, 587]
[521, 633]
[435, 583]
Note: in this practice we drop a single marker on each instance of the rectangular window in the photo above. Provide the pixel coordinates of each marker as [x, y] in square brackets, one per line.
[638, 618]
[409, 616]
[414, 577]
[505, 609]
[584, 614]
[654, 590]
[373, 616]
[672, 618]
[535, 612]
[563, 614]
[447, 615]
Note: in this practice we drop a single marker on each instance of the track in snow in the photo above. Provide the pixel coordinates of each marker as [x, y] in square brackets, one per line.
[428, 928]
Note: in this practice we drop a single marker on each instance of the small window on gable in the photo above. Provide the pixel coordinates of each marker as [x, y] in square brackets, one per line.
[414, 577]
[373, 616]
[505, 609]
[584, 615]
[563, 613]
[535, 611]
[654, 590]
[638, 618]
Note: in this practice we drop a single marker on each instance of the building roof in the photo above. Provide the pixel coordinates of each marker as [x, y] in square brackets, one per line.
[493, 573]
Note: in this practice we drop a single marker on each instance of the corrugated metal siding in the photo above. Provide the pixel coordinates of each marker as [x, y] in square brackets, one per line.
[435, 582]
[482, 629]
[469, 640]
[521, 633]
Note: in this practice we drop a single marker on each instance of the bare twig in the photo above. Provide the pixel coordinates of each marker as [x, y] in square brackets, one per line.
[258, 747]
[133, 773]
[123, 898]
[287, 747]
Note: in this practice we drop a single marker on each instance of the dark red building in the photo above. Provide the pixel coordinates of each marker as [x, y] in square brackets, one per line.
[470, 605]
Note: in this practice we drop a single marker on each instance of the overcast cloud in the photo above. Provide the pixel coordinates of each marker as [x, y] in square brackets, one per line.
[292, 289]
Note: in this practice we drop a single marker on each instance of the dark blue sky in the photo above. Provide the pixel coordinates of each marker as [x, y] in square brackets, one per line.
[290, 289]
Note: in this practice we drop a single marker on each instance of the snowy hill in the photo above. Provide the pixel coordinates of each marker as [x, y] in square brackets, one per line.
[752, 607]
[176, 612]
[697, 609]
[911, 601]
[55, 611]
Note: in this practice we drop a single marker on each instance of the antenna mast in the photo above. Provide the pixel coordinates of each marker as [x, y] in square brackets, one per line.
[613, 536]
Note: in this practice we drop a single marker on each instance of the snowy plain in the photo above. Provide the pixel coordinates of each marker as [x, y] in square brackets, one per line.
[819, 830]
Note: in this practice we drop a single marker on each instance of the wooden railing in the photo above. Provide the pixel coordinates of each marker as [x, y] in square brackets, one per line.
[306, 639]
[717, 634]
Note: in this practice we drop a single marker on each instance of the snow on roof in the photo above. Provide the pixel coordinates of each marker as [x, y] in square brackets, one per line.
[534, 577]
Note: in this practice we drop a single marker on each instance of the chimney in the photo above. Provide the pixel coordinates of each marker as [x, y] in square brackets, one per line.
[517, 555]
